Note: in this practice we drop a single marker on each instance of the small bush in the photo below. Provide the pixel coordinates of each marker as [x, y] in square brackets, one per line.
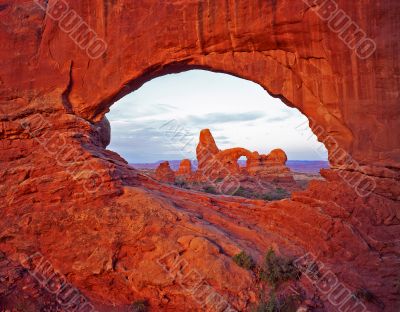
[210, 190]
[271, 197]
[278, 194]
[285, 304]
[140, 306]
[271, 305]
[244, 260]
[240, 192]
[276, 270]
[180, 183]
[247, 193]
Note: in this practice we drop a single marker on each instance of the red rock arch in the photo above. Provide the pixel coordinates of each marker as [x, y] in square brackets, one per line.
[243, 66]
[52, 96]
[293, 55]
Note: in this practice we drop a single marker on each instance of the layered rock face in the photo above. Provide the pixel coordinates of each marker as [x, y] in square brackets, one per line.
[215, 164]
[259, 163]
[185, 169]
[206, 149]
[164, 173]
[115, 235]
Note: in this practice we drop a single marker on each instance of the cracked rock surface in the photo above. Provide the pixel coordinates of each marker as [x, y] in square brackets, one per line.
[116, 235]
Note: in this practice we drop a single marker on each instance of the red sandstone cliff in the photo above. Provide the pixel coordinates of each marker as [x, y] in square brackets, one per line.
[106, 229]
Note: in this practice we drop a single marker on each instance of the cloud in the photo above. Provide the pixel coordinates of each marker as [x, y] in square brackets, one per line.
[128, 111]
[223, 118]
[276, 119]
[222, 139]
[281, 116]
[237, 113]
[150, 141]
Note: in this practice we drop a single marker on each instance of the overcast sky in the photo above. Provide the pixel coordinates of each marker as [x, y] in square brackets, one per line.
[162, 120]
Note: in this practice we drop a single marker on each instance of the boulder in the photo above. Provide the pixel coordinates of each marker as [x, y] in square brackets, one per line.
[103, 128]
[63, 195]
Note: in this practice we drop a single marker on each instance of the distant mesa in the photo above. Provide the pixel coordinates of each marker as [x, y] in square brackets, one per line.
[215, 165]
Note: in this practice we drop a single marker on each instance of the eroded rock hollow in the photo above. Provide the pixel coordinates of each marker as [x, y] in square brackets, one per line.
[118, 237]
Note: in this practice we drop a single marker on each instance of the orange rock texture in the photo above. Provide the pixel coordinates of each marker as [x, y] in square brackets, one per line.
[185, 169]
[117, 236]
[164, 173]
[214, 164]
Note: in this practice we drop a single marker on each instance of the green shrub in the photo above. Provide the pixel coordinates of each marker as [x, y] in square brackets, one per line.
[244, 260]
[285, 304]
[276, 270]
[271, 197]
[180, 183]
[247, 193]
[140, 306]
[240, 192]
[210, 190]
[278, 194]
[271, 305]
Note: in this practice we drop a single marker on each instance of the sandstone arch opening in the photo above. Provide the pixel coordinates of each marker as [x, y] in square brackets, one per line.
[161, 122]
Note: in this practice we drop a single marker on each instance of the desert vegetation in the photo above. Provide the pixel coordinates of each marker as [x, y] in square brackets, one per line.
[270, 274]
[139, 306]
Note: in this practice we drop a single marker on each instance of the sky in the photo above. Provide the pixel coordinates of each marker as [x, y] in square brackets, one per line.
[162, 119]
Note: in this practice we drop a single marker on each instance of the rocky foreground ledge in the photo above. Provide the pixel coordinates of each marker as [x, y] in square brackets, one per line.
[122, 241]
